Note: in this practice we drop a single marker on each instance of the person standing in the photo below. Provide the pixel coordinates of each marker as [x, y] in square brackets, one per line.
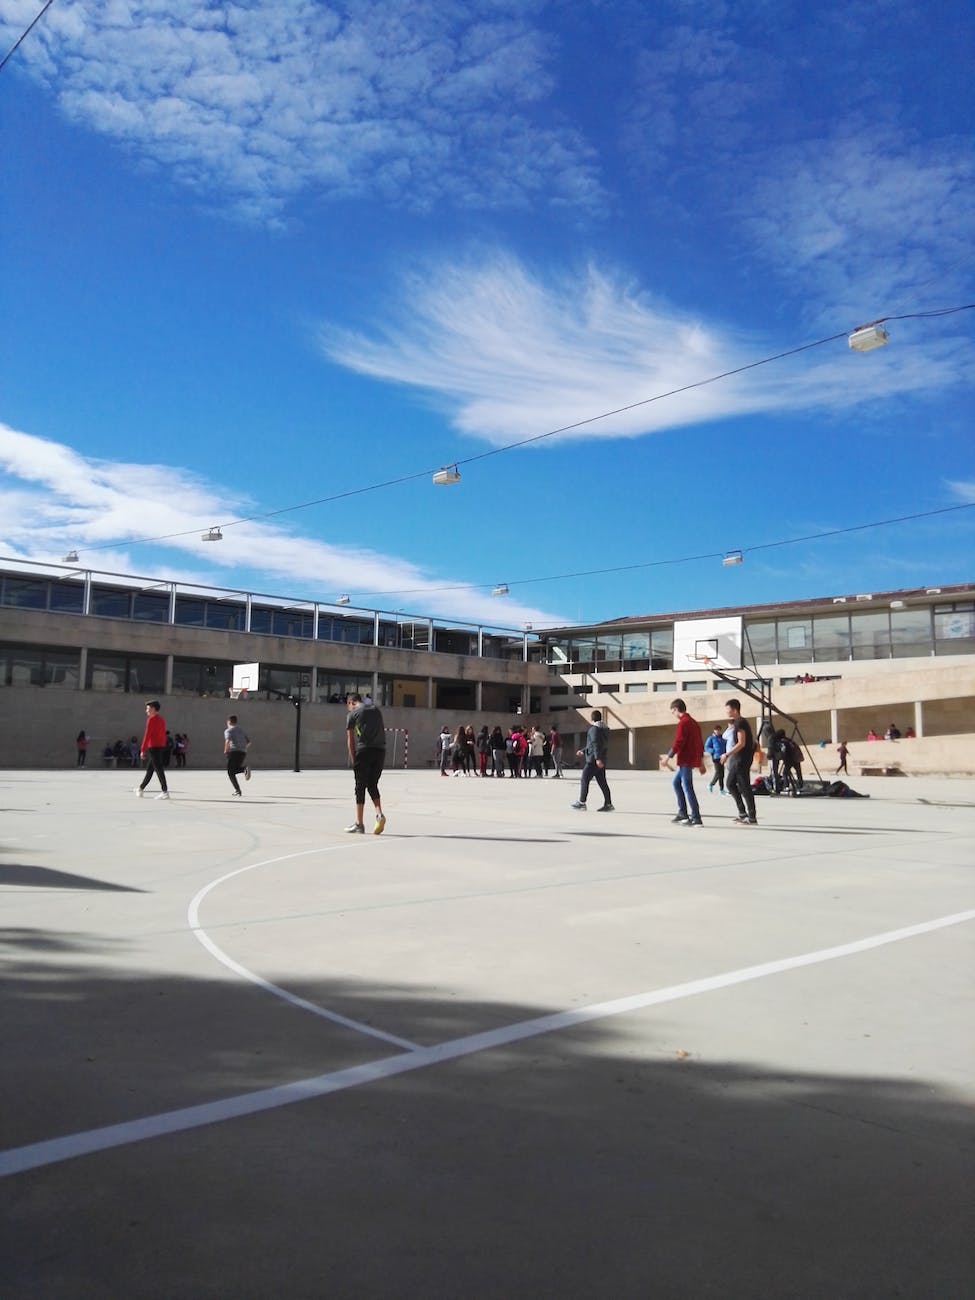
[688, 752]
[445, 743]
[737, 761]
[594, 756]
[843, 752]
[236, 743]
[715, 746]
[366, 739]
[483, 750]
[498, 751]
[536, 751]
[555, 744]
[153, 750]
[81, 744]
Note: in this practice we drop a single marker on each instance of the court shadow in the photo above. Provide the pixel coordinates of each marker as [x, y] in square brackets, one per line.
[23, 875]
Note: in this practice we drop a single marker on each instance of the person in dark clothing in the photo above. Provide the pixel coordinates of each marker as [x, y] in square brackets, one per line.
[594, 754]
[366, 738]
[737, 761]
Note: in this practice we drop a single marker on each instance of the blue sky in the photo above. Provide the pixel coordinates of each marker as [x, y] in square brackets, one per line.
[261, 254]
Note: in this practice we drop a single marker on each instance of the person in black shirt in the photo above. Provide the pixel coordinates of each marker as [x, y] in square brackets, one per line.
[367, 753]
[738, 766]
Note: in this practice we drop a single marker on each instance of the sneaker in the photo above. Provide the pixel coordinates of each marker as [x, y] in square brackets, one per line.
[139, 792]
[235, 794]
[380, 825]
[164, 795]
[607, 807]
[356, 828]
[694, 821]
[680, 820]
[579, 804]
[247, 774]
[742, 821]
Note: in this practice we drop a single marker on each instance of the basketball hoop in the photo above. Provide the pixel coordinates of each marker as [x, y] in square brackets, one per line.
[238, 692]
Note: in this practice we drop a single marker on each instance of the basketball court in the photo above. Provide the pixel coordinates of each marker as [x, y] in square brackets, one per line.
[503, 1049]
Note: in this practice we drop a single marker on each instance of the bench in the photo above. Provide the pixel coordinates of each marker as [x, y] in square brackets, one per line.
[893, 769]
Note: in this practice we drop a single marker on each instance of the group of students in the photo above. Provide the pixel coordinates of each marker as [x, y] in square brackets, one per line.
[520, 753]
[731, 750]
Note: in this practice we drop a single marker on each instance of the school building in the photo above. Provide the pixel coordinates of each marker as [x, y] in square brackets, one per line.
[82, 649]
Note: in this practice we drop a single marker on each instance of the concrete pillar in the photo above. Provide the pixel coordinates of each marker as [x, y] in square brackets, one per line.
[247, 615]
[86, 601]
[172, 602]
[919, 717]
[430, 692]
[478, 697]
[526, 700]
[631, 746]
[834, 726]
[375, 687]
[82, 668]
[168, 676]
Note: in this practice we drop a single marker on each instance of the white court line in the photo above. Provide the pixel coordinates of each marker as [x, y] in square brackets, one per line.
[19, 1159]
[193, 917]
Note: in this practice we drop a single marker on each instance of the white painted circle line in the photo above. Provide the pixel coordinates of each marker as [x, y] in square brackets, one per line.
[19, 1159]
[215, 951]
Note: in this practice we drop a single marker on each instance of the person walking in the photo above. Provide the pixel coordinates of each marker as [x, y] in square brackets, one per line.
[81, 745]
[236, 743]
[366, 739]
[715, 747]
[843, 752]
[594, 756]
[555, 744]
[737, 761]
[688, 752]
[153, 750]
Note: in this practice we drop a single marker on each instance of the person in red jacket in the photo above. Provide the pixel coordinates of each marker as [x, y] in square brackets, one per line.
[688, 754]
[153, 749]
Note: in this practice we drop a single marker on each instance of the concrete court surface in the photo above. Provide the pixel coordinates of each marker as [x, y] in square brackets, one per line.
[504, 1050]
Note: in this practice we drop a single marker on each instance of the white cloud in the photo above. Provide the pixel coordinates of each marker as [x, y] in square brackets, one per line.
[963, 490]
[55, 500]
[255, 103]
[512, 356]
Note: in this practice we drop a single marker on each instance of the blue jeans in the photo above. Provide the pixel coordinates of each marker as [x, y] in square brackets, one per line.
[684, 790]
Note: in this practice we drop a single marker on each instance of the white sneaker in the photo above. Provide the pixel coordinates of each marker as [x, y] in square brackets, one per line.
[164, 795]
[247, 774]
[139, 792]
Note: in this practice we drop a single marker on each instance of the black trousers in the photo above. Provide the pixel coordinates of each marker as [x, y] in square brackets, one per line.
[155, 762]
[236, 762]
[593, 773]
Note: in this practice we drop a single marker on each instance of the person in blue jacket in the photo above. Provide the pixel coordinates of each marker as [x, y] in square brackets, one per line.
[715, 747]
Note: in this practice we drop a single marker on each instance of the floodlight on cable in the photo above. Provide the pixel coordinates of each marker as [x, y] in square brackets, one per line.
[868, 337]
[500, 590]
[212, 535]
[732, 557]
[70, 558]
[342, 600]
[447, 474]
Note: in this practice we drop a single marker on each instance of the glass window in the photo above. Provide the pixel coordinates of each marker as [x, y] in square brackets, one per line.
[609, 649]
[290, 622]
[22, 666]
[795, 640]
[694, 686]
[583, 652]
[665, 688]
[61, 669]
[138, 674]
[190, 612]
[831, 637]
[607, 688]
[954, 630]
[451, 642]
[636, 688]
[558, 652]
[226, 614]
[870, 634]
[110, 602]
[201, 677]
[662, 648]
[25, 593]
[760, 639]
[151, 606]
[636, 646]
[910, 633]
[68, 597]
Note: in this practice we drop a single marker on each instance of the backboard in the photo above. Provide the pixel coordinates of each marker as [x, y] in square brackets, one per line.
[708, 642]
[246, 677]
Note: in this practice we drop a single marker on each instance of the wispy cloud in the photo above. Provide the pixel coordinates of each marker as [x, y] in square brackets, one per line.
[252, 104]
[512, 355]
[53, 499]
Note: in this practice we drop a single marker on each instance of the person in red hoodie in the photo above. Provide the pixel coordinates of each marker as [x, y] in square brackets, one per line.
[688, 753]
[153, 749]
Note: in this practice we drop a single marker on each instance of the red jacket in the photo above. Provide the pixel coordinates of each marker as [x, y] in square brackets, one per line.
[155, 737]
[688, 746]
